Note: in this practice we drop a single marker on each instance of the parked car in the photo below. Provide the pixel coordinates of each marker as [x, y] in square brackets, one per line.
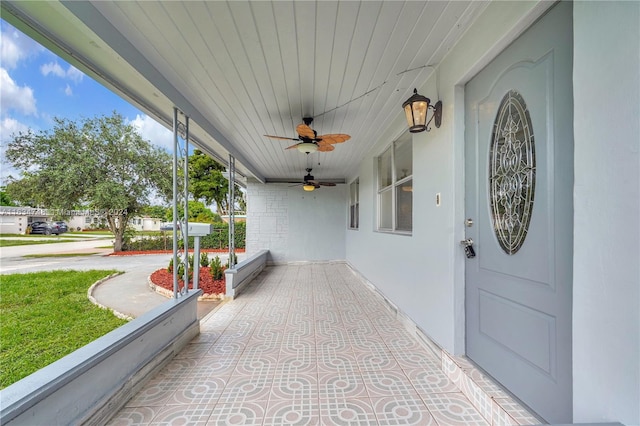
[62, 226]
[168, 226]
[44, 228]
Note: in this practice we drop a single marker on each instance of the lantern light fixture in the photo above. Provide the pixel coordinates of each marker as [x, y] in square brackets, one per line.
[416, 108]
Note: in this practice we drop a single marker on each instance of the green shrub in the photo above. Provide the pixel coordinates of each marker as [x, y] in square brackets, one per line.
[170, 267]
[218, 239]
[204, 259]
[217, 271]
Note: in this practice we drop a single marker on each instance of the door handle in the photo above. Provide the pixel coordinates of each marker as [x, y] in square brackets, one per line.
[468, 248]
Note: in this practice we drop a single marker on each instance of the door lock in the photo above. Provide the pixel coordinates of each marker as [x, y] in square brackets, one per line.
[468, 248]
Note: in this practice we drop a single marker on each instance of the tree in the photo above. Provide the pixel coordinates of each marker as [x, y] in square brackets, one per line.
[198, 212]
[101, 162]
[155, 211]
[206, 182]
[5, 199]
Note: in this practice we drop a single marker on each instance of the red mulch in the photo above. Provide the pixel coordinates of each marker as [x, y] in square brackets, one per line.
[135, 252]
[164, 279]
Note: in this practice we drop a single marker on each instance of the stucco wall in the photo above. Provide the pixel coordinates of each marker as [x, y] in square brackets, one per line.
[423, 274]
[295, 225]
[606, 312]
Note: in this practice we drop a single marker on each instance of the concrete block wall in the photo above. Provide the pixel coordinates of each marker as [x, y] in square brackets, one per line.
[294, 225]
[267, 220]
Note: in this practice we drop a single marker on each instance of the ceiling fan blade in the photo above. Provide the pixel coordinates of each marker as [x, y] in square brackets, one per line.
[305, 131]
[325, 147]
[282, 137]
[318, 183]
[292, 146]
[334, 138]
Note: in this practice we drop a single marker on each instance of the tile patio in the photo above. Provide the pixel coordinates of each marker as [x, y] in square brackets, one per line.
[305, 344]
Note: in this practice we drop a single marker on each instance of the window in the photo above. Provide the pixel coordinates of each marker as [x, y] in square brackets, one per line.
[87, 219]
[395, 187]
[354, 204]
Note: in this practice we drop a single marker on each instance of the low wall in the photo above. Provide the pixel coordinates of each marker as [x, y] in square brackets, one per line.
[244, 272]
[91, 384]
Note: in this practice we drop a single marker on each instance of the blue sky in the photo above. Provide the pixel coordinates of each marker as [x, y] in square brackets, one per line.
[36, 85]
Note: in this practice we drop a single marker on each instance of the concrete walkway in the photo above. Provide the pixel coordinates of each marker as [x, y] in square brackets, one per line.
[131, 295]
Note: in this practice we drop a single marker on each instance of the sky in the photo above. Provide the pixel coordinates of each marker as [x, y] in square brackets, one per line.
[36, 85]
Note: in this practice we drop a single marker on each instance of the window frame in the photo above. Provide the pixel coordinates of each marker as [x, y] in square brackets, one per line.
[393, 187]
[353, 210]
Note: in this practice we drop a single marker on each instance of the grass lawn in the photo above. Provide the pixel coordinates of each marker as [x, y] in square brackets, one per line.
[11, 243]
[76, 233]
[38, 256]
[45, 316]
[63, 235]
[21, 235]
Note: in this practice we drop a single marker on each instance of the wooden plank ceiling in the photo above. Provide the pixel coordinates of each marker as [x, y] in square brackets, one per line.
[243, 69]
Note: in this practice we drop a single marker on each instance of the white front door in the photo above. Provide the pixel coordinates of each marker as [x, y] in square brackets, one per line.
[518, 193]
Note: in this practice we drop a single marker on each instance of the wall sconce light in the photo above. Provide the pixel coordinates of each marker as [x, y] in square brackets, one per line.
[416, 108]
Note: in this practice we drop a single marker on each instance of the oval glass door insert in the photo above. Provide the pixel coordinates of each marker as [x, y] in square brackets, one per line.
[512, 172]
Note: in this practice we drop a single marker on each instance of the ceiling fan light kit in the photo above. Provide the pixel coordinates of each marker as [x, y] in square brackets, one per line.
[307, 147]
[310, 184]
[416, 109]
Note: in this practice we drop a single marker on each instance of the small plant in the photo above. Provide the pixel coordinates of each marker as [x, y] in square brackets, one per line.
[190, 260]
[217, 271]
[204, 259]
[170, 267]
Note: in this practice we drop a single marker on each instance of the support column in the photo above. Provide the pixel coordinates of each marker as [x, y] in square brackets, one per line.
[232, 221]
[185, 219]
[180, 227]
[175, 203]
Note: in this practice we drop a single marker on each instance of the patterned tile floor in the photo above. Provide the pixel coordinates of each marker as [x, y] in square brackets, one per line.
[303, 345]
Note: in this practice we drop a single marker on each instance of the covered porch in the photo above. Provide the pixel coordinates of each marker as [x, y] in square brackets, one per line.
[313, 341]
[312, 344]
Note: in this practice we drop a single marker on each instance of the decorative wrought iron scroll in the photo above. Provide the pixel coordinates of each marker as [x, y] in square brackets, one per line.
[180, 225]
[512, 172]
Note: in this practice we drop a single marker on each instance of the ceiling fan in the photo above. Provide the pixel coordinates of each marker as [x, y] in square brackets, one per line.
[309, 141]
[309, 183]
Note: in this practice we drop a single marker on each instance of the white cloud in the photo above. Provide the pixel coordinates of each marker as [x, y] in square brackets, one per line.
[52, 68]
[8, 128]
[14, 97]
[153, 131]
[68, 91]
[72, 73]
[15, 47]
